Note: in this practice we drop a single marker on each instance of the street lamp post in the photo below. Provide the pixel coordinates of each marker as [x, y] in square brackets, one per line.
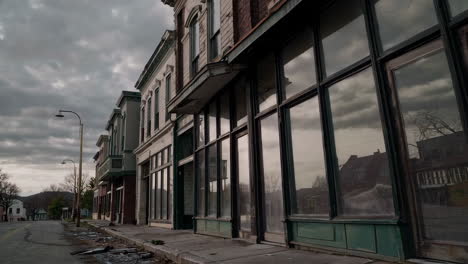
[78, 200]
[74, 187]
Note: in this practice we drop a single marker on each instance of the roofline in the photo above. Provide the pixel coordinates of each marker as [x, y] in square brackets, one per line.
[127, 94]
[115, 112]
[100, 139]
[164, 45]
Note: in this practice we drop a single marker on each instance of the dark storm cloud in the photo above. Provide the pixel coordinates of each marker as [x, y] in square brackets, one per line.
[69, 54]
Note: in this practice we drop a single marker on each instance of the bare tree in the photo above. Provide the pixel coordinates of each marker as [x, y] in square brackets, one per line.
[70, 184]
[8, 192]
[430, 125]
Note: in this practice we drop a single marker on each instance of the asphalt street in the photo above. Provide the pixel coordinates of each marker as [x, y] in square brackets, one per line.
[35, 242]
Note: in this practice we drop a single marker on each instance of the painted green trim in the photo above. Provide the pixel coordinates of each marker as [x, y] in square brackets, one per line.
[214, 228]
[345, 220]
[379, 239]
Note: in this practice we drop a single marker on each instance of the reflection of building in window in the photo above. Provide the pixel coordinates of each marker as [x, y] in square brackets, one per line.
[365, 185]
[442, 169]
[315, 199]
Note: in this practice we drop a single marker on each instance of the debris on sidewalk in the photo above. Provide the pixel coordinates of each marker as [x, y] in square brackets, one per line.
[96, 251]
[157, 242]
[109, 250]
[123, 250]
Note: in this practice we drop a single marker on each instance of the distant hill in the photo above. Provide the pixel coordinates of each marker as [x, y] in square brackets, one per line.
[42, 200]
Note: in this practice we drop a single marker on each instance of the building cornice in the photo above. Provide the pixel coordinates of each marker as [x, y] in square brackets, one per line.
[128, 95]
[115, 112]
[142, 147]
[164, 46]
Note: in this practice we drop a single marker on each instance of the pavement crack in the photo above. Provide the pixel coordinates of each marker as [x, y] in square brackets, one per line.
[27, 238]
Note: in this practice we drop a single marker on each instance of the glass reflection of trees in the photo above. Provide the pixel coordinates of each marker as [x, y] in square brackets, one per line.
[437, 144]
[245, 202]
[272, 174]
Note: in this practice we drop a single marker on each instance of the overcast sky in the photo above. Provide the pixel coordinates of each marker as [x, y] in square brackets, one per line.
[72, 54]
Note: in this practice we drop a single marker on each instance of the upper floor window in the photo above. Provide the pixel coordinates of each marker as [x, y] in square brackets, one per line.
[215, 25]
[123, 132]
[142, 124]
[168, 93]
[194, 45]
[156, 109]
[148, 119]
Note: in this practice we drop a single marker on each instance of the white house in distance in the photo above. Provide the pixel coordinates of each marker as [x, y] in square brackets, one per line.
[16, 212]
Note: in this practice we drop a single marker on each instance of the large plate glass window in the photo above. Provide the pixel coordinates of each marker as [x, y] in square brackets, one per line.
[309, 188]
[298, 64]
[212, 181]
[201, 130]
[240, 88]
[212, 125]
[399, 20]
[201, 182]
[343, 34]
[157, 200]
[271, 165]
[266, 85]
[458, 6]
[364, 180]
[437, 145]
[225, 173]
[153, 196]
[224, 113]
[243, 174]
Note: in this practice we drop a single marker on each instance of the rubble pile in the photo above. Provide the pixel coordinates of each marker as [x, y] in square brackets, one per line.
[109, 250]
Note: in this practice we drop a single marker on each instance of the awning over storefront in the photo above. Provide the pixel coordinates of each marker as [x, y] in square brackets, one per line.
[209, 81]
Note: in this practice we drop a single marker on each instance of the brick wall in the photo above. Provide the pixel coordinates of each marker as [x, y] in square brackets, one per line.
[243, 18]
[262, 10]
[227, 25]
[248, 13]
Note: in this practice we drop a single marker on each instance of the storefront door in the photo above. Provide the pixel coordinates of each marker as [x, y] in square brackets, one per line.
[436, 151]
[185, 187]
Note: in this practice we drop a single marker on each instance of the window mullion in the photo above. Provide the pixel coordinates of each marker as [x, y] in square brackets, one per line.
[328, 146]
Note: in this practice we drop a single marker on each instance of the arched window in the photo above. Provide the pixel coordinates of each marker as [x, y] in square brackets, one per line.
[215, 25]
[194, 45]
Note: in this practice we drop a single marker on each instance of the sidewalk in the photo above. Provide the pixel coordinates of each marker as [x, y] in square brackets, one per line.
[183, 246]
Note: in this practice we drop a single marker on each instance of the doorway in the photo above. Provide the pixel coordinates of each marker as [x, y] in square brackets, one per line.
[185, 195]
[435, 151]
[118, 205]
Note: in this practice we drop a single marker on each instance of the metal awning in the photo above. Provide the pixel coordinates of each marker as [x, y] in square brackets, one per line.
[209, 81]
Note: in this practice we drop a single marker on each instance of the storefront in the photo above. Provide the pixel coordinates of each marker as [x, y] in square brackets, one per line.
[346, 133]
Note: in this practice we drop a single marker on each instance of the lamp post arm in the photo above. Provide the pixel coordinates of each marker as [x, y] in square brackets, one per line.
[68, 111]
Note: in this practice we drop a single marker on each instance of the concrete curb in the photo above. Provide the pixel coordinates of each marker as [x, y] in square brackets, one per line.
[175, 255]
